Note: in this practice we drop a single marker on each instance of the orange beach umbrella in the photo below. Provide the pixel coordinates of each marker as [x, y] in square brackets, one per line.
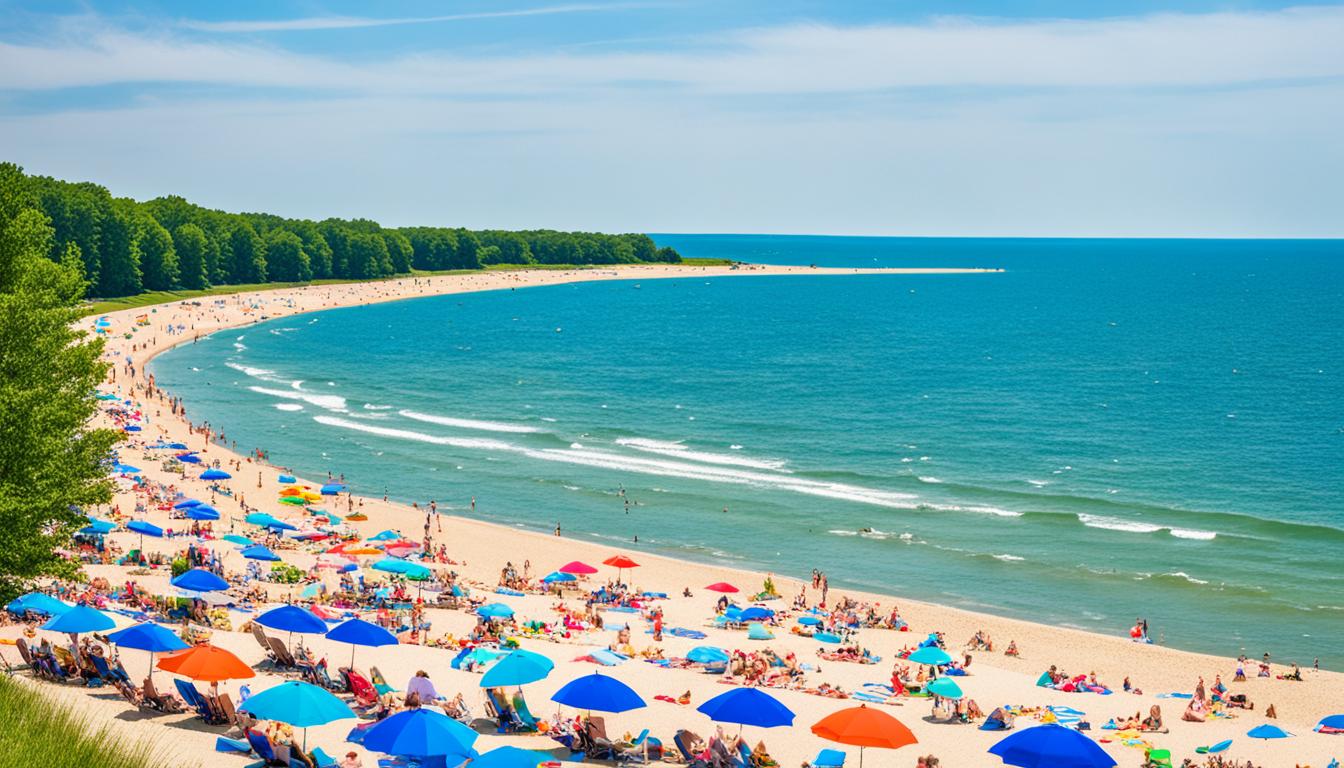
[863, 727]
[207, 664]
[620, 563]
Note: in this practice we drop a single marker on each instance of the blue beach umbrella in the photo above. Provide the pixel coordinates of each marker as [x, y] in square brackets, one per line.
[98, 527]
[234, 538]
[421, 733]
[287, 479]
[268, 521]
[292, 618]
[148, 637]
[945, 687]
[331, 489]
[388, 535]
[200, 580]
[80, 618]
[1268, 731]
[391, 565]
[809, 621]
[259, 552]
[132, 428]
[597, 692]
[495, 611]
[557, 577]
[931, 656]
[144, 529]
[215, 474]
[360, 632]
[1331, 721]
[510, 757]
[518, 668]
[707, 654]
[37, 602]
[183, 504]
[756, 613]
[299, 704]
[202, 512]
[1051, 746]
[747, 706]
[189, 458]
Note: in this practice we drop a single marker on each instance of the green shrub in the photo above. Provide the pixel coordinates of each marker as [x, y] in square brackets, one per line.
[179, 566]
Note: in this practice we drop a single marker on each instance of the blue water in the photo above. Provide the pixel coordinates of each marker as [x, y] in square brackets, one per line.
[1107, 429]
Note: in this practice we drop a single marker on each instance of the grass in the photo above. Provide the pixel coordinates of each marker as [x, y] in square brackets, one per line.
[150, 298]
[39, 732]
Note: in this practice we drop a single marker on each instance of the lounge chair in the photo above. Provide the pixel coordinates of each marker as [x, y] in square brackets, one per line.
[365, 695]
[600, 746]
[165, 702]
[262, 640]
[684, 740]
[265, 750]
[829, 758]
[24, 653]
[379, 682]
[282, 656]
[524, 715]
[208, 711]
[642, 749]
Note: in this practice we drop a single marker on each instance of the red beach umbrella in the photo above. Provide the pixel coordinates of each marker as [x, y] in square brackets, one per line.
[863, 727]
[577, 568]
[722, 586]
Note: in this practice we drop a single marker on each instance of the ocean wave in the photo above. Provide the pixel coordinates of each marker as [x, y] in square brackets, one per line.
[483, 426]
[1009, 558]
[677, 450]
[406, 434]
[982, 509]
[1116, 524]
[288, 407]
[247, 370]
[839, 532]
[1186, 533]
[1181, 575]
[372, 407]
[928, 479]
[327, 402]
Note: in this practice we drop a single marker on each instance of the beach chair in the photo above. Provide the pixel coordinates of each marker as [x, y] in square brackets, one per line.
[325, 680]
[231, 714]
[829, 758]
[379, 682]
[262, 640]
[164, 702]
[24, 653]
[600, 746]
[281, 654]
[505, 716]
[365, 694]
[524, 715]
[263, 748]
[684, 740]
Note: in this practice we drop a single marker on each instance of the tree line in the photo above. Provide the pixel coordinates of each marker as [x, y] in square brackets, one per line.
[127, 247]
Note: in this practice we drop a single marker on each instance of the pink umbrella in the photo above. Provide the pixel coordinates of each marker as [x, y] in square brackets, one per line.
[577, 568]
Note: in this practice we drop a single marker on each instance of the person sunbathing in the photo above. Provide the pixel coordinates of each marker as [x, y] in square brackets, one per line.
[1011, 650]
[1153, 722]
[760, 757]
[1194, 711]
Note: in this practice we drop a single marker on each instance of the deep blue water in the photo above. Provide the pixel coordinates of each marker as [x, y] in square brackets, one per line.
[1107, 429]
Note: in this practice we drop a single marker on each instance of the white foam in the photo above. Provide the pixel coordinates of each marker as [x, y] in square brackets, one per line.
[1116, 524]
[406, 434]
[288, 407]
[328, 402]
[548, 418]
[1187, 533]
[977, 508]
[484, 426]
[1186, 576]
[247, 370]
[927, 479]
[1039, 483]
[844, 533]
[372, 407]
[665, 448]
[1009, 558]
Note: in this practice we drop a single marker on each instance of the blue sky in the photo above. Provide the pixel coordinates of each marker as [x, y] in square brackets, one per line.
[1040, 117]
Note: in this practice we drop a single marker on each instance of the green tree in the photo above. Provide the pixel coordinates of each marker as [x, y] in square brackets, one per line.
[247, 255]
[158, 256]
[51, 461]
[285, 259]
[192, 249]
[400, 250]
[119, 270]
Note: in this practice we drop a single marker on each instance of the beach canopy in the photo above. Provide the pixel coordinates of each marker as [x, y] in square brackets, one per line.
[259, 552]
[388, 535]
[1268, 731]
[143, 528]
[331, 489]
[80, 618]
[297, 703]
[747, 706]
[620, 561]
[555, 577]
[183, 504]
[189, 458]
[756, 613]
[148, 636]
[199, 580]
[518, 668]
[707, 654]
[292, 618]
[577, 568]
[598, 692]
[1331, 723]
[37, 602]
[931, 655]
[945, 687]
[98, 526]
[202, 512]
[268, 521]
[510, 757]
[361, 632]
[215, 474]
[495, 611]
[206, 663]
[234, 538]
[286, 479]
[420, 733]
[1051, 746]
[863, 727]
[722, 586]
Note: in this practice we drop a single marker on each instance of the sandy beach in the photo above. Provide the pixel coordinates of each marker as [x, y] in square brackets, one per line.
[481, 549]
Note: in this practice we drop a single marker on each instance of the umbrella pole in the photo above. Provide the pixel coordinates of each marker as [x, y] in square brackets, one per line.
[860, 757]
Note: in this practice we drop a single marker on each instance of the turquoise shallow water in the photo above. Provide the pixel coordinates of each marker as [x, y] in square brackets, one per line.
[1108, 429]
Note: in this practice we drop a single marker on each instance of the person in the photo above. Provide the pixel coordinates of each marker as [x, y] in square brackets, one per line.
[422, 687]
[1153, 722]
[351, 760]
[1011, 650]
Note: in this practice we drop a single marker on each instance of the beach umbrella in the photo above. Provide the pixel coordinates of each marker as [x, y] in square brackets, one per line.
[809, 621]
[707, 654]
[202, 512]
[620, 563]
[124, 469]
[598, 692]
[757, 613]
[207, 664]
[132, 428]
[331, 489]
[360, 632]
[1331, 722]
[37, 602]
[199, 580]
[421, 733]
[297, 501]
[144, 529]
[259, 552]
[189, 458]
[297, 703]
[944, 687]
[286, 479]
[234, 538]
[1051, 746]
[577, 568]
[268, 521]
[385, 536]
[148, 636]
[98, 527]
[292, 618]
[183, 504]
[930, 655]
[391, 565]
[722, 586]
[863, 727]
[557, 577]
[747, 706]
[80, 618]
[518, 668]
[1265, 731]
[215, 474]
[510, 757]
[495, 611]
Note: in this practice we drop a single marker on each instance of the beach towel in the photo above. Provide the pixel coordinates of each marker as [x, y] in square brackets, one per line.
[509, 592]
[604, 657]
[758, 632]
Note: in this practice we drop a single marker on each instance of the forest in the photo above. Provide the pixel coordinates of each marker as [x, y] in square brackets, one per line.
[127, 247]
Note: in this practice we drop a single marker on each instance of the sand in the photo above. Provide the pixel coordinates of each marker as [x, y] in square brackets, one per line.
[484, 548]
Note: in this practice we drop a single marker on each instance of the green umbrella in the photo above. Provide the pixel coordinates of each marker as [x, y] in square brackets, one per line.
[945, 687]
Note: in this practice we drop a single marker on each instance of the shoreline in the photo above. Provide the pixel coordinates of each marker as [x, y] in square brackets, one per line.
[1153, 668]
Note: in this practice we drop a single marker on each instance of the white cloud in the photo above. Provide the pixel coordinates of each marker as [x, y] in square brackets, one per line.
[314, 23]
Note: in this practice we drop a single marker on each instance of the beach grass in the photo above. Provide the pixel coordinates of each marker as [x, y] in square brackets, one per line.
[39, 732]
